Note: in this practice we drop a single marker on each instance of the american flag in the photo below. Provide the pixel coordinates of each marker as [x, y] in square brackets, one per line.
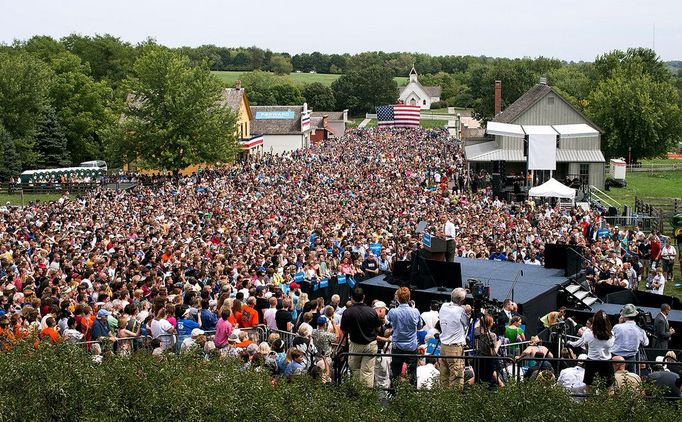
[399, 115]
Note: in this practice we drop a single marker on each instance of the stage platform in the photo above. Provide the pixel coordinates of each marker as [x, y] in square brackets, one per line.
[536, 290]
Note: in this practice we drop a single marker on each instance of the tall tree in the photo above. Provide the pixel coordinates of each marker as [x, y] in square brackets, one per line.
[51, 143]
[640, 115]
[319, 97]
[287, 94]
[10, 163]
[173, 118]
[361, 91]
[281, 65]
[24, 85]
[82, 106]
[109, 58]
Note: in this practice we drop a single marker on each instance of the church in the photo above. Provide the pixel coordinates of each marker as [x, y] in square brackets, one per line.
[415, 93]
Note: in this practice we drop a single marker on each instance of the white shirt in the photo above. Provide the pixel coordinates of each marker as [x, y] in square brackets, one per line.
[454, 324]
[668, 253]
[430, 319]
[596, 349]
[427, 376]
[161, 327]
[572, 380]
[269, 317]
[449, 229]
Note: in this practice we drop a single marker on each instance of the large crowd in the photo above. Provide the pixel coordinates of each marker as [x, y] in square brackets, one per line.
[199, 262]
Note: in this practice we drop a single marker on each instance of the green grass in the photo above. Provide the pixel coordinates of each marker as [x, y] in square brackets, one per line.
[663, 184]
[15, 199]
[431, 124]
[229, 77]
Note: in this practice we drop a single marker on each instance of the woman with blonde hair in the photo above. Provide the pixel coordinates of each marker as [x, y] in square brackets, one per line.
[125, 346]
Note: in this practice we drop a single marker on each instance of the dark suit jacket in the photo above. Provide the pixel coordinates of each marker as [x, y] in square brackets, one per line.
[661, 330]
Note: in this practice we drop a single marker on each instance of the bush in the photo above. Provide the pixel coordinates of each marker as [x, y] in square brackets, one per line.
[439, 104]
[63, 383]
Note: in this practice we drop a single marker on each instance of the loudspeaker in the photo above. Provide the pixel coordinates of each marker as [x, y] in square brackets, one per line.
[498, 185]
[562, 257]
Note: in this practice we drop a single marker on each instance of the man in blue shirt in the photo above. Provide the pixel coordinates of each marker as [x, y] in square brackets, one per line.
[208, 318]
[405, 321]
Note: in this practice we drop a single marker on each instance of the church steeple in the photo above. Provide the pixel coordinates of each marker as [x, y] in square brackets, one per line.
[413, 74]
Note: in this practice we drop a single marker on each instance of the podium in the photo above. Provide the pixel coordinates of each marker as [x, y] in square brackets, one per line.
[434, 244]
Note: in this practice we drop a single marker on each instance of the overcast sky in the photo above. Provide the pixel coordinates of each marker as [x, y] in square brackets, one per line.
[564, 29]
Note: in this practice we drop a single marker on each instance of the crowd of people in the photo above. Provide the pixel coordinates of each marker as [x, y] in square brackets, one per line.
[197, 263]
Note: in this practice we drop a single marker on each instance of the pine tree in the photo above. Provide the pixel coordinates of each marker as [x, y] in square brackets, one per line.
[10, 163]
[51, 143]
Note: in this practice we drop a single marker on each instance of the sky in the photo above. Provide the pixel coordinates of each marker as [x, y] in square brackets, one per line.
[571, 30]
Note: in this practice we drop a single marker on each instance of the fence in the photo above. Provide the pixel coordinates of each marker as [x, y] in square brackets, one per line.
[41, 188]
[662, 209]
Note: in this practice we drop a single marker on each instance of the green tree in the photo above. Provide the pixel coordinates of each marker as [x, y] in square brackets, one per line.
[319, 97]
[82, 105]
[258, 85]
[24, 86]
[286, 94]
[361, 91]
[109, 58]
[10, 164]
[639, 114]
[51, 143]
[173, 118]
[281, 65]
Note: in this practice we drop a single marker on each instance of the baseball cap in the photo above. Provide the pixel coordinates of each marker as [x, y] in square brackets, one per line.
[103, 313]
[582, 356]
[197, 332]
[380, 304]
[321, 320]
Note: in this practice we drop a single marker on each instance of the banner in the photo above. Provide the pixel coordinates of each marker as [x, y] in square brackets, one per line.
[542, 152]
[324, 282]
[299, 277]
[375, 248]
[341, 279]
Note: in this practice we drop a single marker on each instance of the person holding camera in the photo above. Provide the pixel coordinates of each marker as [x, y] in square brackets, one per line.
[453, 319]
[405, 321]
[628, 336]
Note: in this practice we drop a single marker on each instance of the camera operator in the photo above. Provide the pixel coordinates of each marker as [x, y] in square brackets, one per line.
[454, 324]
[628, 337]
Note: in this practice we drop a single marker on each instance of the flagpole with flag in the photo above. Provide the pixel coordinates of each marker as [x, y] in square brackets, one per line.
[398, 115]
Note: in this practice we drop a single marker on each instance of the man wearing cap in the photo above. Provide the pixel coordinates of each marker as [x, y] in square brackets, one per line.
[190, 341]
[383, 363]
[360, 323]
[100, 327]
[628, 337]
[572, 378]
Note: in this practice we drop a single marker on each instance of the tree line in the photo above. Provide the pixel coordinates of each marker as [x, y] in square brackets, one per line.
[61, 101]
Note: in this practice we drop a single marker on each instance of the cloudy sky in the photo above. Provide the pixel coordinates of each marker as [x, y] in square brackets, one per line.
[565, 29]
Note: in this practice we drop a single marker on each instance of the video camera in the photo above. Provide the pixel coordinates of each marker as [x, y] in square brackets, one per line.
[481, 295]
[645, 321]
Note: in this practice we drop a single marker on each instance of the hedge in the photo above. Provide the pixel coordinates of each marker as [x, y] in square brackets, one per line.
[63, 383]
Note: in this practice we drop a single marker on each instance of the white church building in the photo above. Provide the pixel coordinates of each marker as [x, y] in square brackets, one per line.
[415, 93]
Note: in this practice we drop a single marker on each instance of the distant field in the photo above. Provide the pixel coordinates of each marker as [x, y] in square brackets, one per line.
[15, 199]
[228, 78]
[664, 184]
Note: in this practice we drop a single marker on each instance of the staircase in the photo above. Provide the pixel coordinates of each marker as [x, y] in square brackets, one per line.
[580, 294]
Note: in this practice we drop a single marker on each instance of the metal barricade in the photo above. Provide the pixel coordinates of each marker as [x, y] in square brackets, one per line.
[286, 336]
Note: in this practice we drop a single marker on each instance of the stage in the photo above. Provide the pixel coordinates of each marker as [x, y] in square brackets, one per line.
[535, 292]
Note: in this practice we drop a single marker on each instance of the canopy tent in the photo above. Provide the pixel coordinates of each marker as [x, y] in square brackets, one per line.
[553, 189]
[576, 131]
[505, 129]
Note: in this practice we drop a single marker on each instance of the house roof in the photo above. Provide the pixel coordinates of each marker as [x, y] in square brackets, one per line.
[490, 151]
[277, 126]
[431, 91]
[529, 99]
[331, 115]
[579, 156]
[232, 98]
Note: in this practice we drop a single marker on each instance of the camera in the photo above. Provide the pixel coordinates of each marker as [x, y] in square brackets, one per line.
[645, 321]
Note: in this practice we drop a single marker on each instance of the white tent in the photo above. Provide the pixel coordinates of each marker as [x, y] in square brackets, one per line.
[553, 189]
[505, 129]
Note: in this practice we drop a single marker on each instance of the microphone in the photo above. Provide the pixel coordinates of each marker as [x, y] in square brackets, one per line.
[516, 279]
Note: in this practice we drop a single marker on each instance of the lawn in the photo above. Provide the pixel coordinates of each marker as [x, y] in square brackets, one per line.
[15, 199]
[228, 78]
[663, 184]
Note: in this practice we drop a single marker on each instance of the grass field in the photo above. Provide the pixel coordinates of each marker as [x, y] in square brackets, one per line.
[15, 199]
[664, 184]
[228, 78]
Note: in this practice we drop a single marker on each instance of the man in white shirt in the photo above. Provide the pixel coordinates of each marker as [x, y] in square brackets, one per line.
[454, 324]
[448, 232]
[572, 378]
[269, 314]
[668, 254]
[430, 317]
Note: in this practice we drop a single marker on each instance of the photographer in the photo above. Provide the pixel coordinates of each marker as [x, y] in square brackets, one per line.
[628, 337]
[405, 321]
[454, 324]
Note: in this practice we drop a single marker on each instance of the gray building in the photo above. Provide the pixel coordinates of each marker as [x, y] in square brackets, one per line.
[578, 153]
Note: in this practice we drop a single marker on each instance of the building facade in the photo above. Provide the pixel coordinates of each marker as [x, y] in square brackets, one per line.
[414, 93]
[284, 128]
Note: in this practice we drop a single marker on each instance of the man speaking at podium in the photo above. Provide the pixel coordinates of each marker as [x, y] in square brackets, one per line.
[448, 232]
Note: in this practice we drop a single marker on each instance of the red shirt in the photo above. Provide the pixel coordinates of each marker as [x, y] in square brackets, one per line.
[249, 317]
